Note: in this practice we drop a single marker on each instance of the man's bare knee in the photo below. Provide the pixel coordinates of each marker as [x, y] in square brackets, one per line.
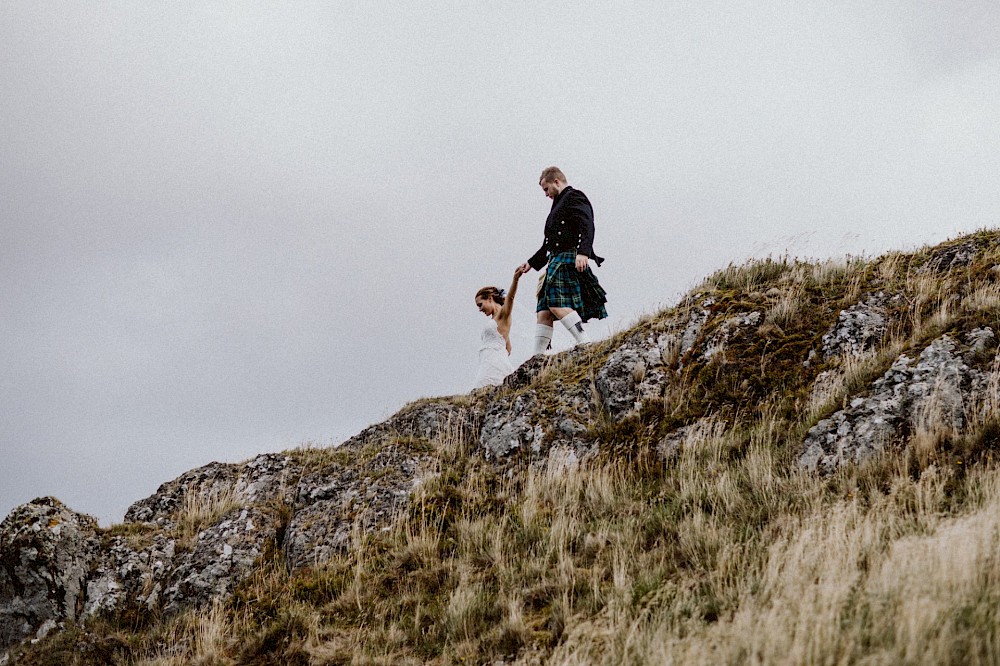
[559, 313]
[545, 317]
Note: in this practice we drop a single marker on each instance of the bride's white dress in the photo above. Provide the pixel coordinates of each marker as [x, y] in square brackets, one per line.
[494, 363]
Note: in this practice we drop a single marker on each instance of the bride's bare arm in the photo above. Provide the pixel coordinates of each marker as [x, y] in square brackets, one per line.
[508, 304]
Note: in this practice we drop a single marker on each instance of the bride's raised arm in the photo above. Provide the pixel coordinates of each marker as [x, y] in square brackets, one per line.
[508, 304]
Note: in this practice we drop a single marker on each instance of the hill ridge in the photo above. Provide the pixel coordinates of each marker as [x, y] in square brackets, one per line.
[604, 504]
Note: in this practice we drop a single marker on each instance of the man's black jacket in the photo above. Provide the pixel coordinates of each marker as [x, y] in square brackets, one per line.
[569, 226]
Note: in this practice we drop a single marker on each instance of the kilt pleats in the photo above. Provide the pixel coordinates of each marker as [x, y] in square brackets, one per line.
[565, 287]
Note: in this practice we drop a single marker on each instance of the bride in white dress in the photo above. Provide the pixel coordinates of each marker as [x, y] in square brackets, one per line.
[494, 351]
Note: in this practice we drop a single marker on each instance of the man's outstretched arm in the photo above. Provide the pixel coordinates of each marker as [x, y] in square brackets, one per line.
[537, 260]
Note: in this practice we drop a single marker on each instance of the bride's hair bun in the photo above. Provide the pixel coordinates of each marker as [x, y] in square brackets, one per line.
[492, 292]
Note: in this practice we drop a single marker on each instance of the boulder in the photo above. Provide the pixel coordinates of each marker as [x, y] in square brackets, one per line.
[366, 490]
[266, 478]
[940, 385]
[224, 555]
[46, 551]
[944, 258]
[859, 328]
[130, 578]
[424, 420]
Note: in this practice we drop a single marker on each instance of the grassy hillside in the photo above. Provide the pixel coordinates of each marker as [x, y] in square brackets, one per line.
[723, 552]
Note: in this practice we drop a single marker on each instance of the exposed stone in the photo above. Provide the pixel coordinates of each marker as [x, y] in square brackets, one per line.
[224, 555]
[525, 373]
[951, 256]
[423, 420]
[533, 423]
[982, 343]
[130, 578]
[692, 332]
[324, 528]
[365, 493]
[317, 533]
[567, 439]
[728, 329]
[618, 379]
[270, 477]
[46, 551]
[936, 389]
[859, 328]
[637, 371]
[54, 567]
[160, 508]
[508, 427]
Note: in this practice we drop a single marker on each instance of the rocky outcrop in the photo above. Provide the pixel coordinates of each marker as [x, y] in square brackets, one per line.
[200, 535]
[267, 478]
[859, 328]
[640, 368]
[427, 420]
[224, 555]
[46, 551]
[939, 388]
[130, 577]
[954, 255]
[728, 329]
[534, 423]
[364, 491]
[637, 371]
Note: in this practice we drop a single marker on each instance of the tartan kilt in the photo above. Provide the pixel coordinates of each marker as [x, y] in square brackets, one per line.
[565, 287]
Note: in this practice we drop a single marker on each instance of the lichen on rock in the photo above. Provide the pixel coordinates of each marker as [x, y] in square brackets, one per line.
[46, 552]
[938, 387]
[859, 328]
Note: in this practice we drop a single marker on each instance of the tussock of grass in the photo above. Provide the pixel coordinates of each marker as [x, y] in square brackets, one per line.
[201, 510]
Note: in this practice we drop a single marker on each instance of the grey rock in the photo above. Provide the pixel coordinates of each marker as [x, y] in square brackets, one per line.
[642, 366]
[224, 555]
[130, 578]
[510, 426]
[938, 387]
[270, 477]
[953, 256]
[525, 373]
[324, 528]
[982, 343]
[365, 493]
[733, 325]
[639, 370]
[697, 321]
[214, 479]
[318, 532]
[619, 378]
[859, 328]
[423, 420]
[46, 551]
[534, 422]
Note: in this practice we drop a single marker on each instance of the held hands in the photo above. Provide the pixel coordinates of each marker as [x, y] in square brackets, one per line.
[581, 262]
[522, 269]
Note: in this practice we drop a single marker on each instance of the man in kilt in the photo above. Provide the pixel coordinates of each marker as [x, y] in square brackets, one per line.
[569, 291]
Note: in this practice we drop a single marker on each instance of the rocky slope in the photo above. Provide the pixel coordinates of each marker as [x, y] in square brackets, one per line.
[860, 358]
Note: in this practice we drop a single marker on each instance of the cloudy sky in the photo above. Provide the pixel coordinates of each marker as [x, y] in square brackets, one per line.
[228, 228]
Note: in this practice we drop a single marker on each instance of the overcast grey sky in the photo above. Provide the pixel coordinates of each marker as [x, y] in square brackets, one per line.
[234, 227]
